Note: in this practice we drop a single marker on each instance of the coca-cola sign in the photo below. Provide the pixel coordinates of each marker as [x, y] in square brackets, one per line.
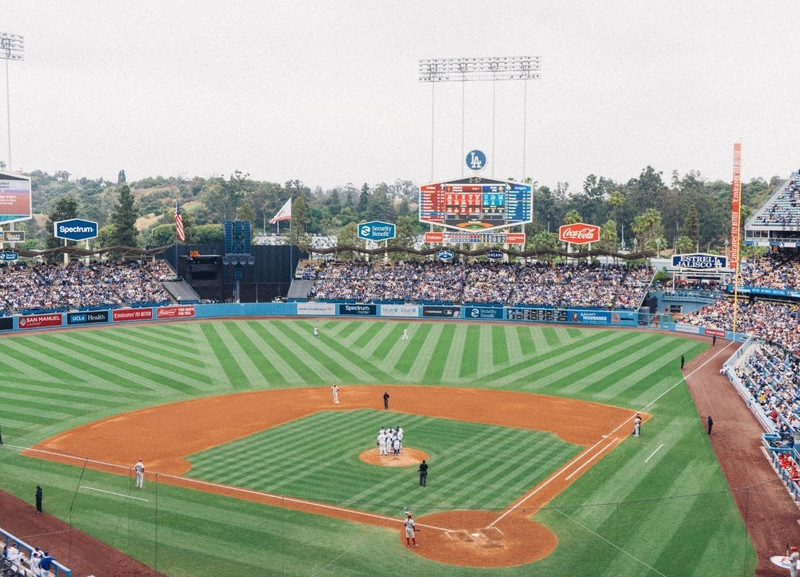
[579, 233]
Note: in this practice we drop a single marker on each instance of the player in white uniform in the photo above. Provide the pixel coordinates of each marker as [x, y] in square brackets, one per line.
[335, 391]
[139, 468]
[382, 442]
[411, 537]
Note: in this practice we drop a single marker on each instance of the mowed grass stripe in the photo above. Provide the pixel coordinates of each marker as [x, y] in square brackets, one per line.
[638, 351]
[234, 376]
[36, 360]
[532, 373]
[321, 358]
[499, 334]
[68, 353]
[335, 359]
[413, 353]
[182, 351]
[468, 366]
[440, 355]
[154, 364]
[583, 361]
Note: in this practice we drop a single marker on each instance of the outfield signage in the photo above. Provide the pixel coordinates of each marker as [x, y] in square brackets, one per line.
[495, 254]
[684, 328]
[40, 321]
[399, 310]
[761, 291]
[699, 261]
[8, 256]
[483, 312]
[579, 233]
[715, 332]
[125, 315]
[75, 229]
[15, 198]
[6, 323]
[12, 236]
[87, 318]
[474, 237]
[178, 312]
[445, 254]
[376, 230]
[316, 309]
[357, 309]
[441, 312]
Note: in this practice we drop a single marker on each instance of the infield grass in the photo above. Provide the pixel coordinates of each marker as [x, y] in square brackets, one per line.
[656, 505]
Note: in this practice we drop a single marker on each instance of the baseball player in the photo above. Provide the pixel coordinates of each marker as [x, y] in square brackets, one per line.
[405, 334]
[410, 531]
[139, 468]
[382, 442]
[793, 558]
[335, 391]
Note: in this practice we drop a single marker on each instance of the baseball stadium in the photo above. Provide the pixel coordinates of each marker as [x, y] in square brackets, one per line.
[405, 379]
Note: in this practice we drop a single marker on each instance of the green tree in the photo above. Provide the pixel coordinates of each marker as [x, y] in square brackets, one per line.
[685, 245]
[300, 220]
[608, 235]
[65, 208]
[363, 200]
[124, 219]
[691, 225]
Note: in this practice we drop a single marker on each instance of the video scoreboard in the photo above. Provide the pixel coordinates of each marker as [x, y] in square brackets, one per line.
[475, 203]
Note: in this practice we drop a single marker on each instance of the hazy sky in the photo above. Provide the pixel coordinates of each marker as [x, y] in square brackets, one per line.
[328, 91]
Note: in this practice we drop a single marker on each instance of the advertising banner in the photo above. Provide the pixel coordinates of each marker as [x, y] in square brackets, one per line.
[316, 309]
[483, 312]
[87, 317]
[736, 201]
[40, 321]
[175, 312]
[441, 312]
[684, 328]
[356, 309]
[399, 310]
[124, 315]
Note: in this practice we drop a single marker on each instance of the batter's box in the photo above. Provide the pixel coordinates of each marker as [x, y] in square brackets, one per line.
[492, 533]
[461, 536]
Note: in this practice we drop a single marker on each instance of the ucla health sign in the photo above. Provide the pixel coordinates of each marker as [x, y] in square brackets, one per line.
[75, 229]
[699, 261]
[376, 230]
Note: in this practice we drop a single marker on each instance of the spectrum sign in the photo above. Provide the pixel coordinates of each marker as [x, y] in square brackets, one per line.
[75, 229]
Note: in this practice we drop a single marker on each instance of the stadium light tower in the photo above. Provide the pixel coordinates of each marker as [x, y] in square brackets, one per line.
[12, 47]
[492, 69]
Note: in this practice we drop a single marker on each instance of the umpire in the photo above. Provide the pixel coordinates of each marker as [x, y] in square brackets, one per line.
[423, 473]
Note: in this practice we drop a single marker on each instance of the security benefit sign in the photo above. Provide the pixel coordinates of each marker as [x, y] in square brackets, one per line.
[376, 230]
[699, 261]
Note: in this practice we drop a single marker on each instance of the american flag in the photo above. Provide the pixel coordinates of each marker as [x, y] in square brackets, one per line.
[179, 232]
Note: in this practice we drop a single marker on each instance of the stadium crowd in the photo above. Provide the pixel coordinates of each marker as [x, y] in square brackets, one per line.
[782, 209]
[78, 285]
[542, 284]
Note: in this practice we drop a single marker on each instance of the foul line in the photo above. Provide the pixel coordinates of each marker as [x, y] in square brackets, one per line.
[183, 481]
[112, 493]
[554, 476]
[654, 452]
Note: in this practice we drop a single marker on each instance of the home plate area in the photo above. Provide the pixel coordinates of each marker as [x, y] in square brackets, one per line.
[483, 537]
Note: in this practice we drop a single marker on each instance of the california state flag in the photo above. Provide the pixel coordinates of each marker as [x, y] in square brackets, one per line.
[285, 213]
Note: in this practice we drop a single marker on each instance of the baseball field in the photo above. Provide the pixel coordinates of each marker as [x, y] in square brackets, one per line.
[252, 469]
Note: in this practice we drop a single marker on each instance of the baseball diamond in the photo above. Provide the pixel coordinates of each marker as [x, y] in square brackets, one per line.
[192, 398]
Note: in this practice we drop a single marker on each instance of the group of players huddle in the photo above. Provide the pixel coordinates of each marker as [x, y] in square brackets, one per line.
[390, 441]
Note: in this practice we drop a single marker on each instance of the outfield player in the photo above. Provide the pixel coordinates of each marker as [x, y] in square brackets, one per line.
[410, 531]
[405, 334]
[335, 391]
[139, 468]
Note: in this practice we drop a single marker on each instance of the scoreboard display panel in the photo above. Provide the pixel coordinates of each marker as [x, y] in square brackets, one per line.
[475, 203]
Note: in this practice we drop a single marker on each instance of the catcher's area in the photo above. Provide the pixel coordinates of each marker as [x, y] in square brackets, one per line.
[163, 436]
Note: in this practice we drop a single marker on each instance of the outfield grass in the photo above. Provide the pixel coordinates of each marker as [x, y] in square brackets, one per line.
[669, 515]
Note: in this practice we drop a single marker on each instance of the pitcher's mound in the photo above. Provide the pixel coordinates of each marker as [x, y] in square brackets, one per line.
[406, 458]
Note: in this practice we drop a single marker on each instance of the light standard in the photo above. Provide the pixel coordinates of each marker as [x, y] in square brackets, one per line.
[11, 48]
[494, 68]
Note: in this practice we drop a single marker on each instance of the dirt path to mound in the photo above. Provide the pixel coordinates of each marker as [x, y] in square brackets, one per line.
[164, 436]
[770, 515]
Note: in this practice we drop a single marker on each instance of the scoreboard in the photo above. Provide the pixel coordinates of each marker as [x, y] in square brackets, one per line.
[475, 203]
[540, 315]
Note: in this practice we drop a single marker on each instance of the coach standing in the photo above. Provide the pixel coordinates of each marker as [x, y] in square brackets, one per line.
[39, 494]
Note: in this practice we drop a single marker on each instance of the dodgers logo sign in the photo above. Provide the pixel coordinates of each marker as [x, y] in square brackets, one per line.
[476, 160]
[75, 229]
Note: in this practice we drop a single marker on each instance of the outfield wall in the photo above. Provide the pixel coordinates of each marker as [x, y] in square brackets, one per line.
[470, 312]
